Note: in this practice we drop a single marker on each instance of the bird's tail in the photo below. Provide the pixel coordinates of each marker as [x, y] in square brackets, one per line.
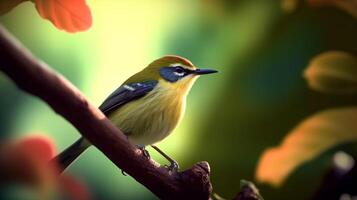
[66, 157]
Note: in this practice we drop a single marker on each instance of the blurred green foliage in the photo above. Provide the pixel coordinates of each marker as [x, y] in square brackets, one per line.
[258, 96]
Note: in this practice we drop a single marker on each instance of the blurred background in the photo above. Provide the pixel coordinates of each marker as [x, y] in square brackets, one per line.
[260, 48]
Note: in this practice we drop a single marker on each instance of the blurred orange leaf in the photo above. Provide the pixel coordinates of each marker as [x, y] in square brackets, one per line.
[7, 5]
[305, 142]
[74, 189]
[333, 72]
[40, 146]
[27, 161]
[68, 15]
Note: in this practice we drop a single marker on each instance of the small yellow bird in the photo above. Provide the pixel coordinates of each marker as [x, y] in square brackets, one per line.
[148, 106]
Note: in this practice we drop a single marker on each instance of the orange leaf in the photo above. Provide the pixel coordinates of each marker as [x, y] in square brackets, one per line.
[333, 72]
[26, 161]
[73, 188]
[309, 139]
[39, 146]
[68, 15]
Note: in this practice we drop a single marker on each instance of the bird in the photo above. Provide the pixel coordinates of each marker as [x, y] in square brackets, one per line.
[146, 107]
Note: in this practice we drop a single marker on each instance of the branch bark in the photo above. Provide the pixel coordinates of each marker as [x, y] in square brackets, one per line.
[248, 191]
[36, 78]
[336, 182]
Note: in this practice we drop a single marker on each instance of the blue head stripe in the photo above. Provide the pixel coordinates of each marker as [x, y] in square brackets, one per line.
[170, 73]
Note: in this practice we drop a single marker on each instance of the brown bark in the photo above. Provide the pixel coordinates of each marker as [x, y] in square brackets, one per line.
[36, 78]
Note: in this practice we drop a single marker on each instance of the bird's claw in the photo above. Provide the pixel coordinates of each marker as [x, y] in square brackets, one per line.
[174, 166]
[123, 172]
[145, 152]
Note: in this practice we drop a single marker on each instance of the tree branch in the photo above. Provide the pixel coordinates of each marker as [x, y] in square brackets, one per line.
[248, 191]
[35, 77]
[336, 182]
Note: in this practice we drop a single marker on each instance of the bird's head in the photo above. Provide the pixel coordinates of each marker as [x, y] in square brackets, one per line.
[173, 72]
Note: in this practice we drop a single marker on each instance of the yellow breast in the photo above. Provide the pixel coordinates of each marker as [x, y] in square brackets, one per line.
[153, 117]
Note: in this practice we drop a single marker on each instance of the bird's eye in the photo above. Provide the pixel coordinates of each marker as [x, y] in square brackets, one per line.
[179, 71]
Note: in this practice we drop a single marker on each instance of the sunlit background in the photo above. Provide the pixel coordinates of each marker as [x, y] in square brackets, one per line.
[231, 118]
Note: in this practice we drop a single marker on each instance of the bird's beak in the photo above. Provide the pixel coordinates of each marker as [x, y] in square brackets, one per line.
[204, 71]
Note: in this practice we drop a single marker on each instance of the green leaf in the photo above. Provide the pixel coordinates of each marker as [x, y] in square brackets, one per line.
[309, 139]
[333, 72]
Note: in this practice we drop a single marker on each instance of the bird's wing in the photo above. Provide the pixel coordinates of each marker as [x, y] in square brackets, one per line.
[125, 94]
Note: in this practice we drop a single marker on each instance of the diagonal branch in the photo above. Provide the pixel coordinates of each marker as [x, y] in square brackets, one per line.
[35, 77]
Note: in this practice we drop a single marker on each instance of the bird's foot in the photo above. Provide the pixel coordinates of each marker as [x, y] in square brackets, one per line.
[123, 172]
[174, 166]
[144, 151]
